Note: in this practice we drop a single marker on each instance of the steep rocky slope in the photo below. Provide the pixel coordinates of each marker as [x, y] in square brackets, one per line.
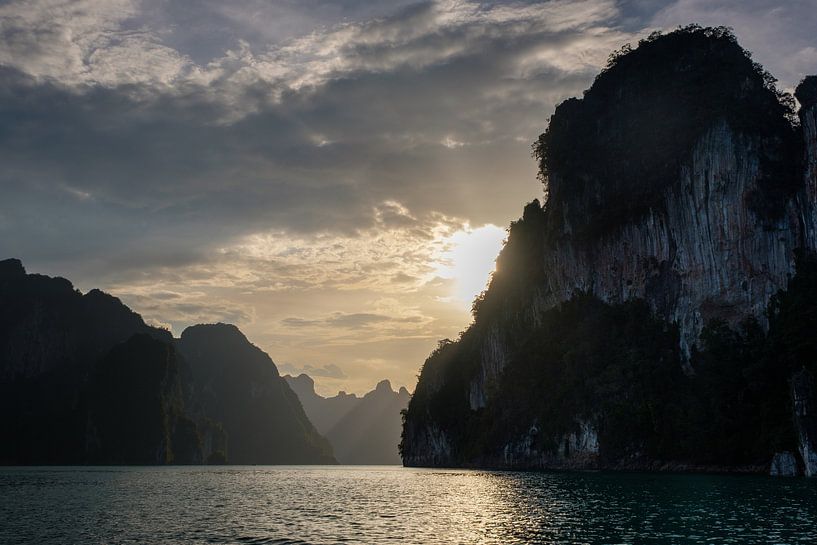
[84, 380]
[676, 206]
[239, 386]
[56, 347]
[362, 430]
[136, 407]
[46, 324]
[323, 412]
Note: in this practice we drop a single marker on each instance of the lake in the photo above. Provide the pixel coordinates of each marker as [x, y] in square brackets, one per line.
[385, 504]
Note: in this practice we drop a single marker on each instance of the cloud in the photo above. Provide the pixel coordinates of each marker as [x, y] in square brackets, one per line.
[85, 41]
[297, 167]
[779, 34]
[357, 320]
[103, 126]
[325, 371]
[177, 309]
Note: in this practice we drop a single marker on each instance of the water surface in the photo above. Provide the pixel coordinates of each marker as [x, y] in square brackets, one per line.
[175, 505]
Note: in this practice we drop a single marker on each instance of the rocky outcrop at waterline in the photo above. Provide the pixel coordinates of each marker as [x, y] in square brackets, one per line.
[651, 312]
[804, 398]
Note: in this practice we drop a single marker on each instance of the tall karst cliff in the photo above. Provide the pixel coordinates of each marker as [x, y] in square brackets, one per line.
[83, 380]
[238, 385]
[634, 319]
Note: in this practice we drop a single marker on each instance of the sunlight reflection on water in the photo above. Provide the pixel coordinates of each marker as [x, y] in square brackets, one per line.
[170, 505]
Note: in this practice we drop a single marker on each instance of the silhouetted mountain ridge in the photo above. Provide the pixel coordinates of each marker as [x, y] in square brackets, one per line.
[239, 385]
[83, 379]
[362, 430]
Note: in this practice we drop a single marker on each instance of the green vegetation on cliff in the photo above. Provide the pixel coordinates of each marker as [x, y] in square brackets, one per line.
[610, 155]
[586, 349]
[619, 368]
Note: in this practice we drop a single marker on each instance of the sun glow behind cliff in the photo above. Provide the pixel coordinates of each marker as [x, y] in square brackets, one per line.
[362, 302]
[469, 258]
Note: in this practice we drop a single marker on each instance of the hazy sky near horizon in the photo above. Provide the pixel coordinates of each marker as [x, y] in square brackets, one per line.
[334, 177]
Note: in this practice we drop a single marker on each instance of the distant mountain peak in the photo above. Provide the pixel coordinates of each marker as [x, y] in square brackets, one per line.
[384, 386]
[362, 430]
[303, 383]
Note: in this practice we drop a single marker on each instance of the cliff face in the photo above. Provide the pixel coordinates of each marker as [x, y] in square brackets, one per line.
[807, 95]
[657, 192]
[84, 380]
[804, 392]
[804, 396]
[52, 340]
[136, 407]
[239, 386]
[702, 254]
[46, 324]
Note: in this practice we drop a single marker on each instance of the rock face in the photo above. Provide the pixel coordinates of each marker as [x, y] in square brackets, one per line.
[660, 190]
[239, 386]
[784, 464]
[804, 396]
[46, 324]
[84, 380]
[362, 430]
[701, 254]
[806, 93]
[57, 348]
[136, 407]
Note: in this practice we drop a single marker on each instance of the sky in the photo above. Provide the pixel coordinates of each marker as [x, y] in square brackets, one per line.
[334, 177]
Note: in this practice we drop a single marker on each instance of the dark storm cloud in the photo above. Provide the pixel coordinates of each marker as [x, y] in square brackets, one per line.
[205, 29]
[330, 370]
[431, 108]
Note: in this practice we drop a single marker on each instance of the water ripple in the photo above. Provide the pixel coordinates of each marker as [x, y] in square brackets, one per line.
[329, 505]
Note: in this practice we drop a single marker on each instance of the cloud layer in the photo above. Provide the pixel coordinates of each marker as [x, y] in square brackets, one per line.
[301, 168]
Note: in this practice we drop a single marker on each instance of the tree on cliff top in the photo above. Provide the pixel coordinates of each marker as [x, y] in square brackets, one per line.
[608, 157]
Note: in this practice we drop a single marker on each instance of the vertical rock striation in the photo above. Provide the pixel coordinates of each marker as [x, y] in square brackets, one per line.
[806, 93]
[701, 254]
[804, 397]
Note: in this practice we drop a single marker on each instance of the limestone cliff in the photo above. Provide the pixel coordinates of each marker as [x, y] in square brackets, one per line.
[136, 407]
[238, 385]
[83, 379]
[675, 183]
[46, 324]
[53, 340]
